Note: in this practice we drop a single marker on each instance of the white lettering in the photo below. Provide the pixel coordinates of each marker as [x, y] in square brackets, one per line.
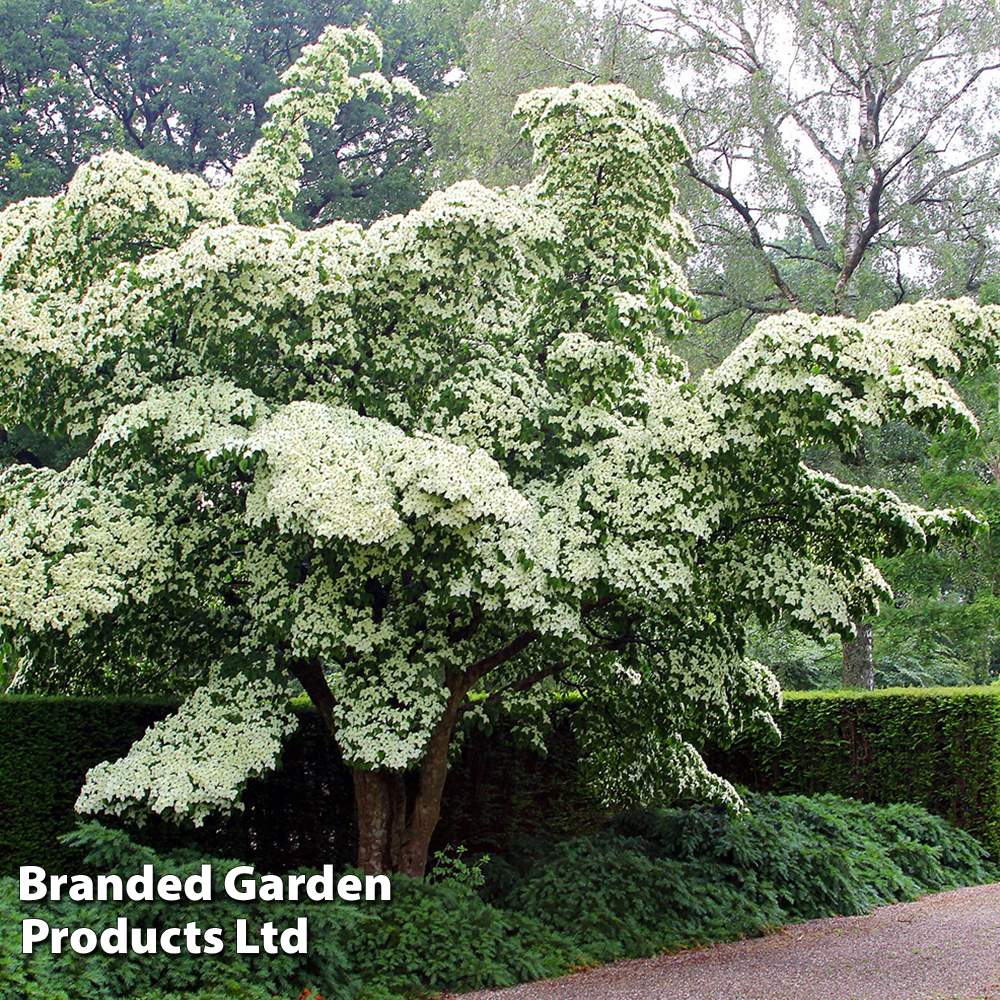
[114, 940]
[32, 884]
[213, 940]
[268, 932]
[242, 946]
[199, 887]
[319, 888]
[249, 887]
[169, 935]
[141, 886]
[383, 883]
[349, 888]
[81, 889]
[32, 932]
[293, 940]
[58, 935]
[112, 883]
[169, 888]
[272, 889]
[83, 940]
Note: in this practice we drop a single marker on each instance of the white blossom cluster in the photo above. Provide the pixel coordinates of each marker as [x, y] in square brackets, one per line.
[333, 473]
[70, 550]
[396, 451]
[797, 368]
[654, 770]
[202, 413]
[195, 762]
[389, 732]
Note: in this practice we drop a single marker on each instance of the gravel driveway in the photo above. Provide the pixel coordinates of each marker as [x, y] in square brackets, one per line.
[941, 947]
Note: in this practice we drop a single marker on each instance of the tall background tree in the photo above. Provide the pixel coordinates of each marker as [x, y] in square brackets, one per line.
[184, 83]
[844, 152]
[844, 160]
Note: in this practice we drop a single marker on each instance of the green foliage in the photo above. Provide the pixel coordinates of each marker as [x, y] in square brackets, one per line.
[432, 934]
[512, 48]
[442, 935]
[946, 612]
[184, 85]
[228, 990]
[46, 747]
[102, 977]
[616, 896]
[454, 867]
[933, 746]
[651, 880]
[664, 879]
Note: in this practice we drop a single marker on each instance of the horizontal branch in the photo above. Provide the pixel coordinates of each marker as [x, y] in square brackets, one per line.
[482, 667]
[524, 683]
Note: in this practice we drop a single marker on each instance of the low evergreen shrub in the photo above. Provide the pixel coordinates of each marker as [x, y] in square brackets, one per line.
[662, 879]
[651, 880]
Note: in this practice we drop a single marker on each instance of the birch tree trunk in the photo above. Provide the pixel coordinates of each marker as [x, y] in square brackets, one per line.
[859, 659]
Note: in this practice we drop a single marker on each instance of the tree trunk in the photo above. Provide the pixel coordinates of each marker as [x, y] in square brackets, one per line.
[859, 661]
[395, 824]
[380, 797]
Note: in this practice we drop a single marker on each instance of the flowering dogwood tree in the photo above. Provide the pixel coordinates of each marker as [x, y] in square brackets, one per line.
[448, 455]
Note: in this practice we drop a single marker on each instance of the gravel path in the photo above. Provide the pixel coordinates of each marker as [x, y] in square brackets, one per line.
[941, 947]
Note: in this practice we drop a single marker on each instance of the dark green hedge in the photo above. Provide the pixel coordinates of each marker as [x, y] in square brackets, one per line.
[939, 747]
[300, 816]
[46, 747]
[936, 747]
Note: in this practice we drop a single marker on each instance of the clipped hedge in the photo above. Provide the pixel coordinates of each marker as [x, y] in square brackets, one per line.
[939, 747]
[46, 748]
[300, 816]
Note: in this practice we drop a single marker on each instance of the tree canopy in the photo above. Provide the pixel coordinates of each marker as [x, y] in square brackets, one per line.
[184, 85]
[844, 152]
[434, 464]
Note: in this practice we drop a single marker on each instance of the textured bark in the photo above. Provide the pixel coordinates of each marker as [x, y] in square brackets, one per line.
[380, 796]
[396, 822]
[859, 660]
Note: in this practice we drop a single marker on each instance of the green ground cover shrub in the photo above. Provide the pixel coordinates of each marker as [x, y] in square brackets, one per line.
[663, 879]
[650, 880]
